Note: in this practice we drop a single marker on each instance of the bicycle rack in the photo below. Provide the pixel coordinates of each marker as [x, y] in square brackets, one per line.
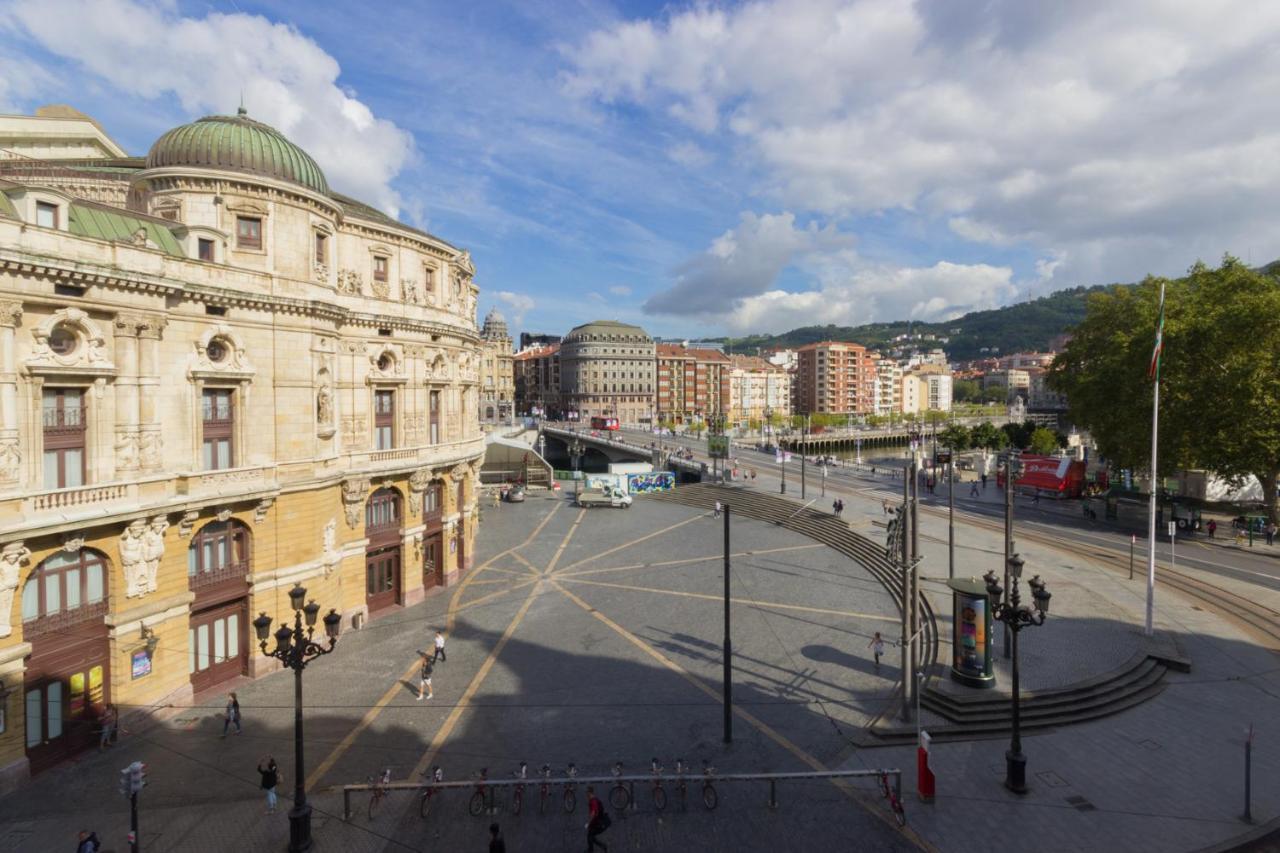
[608, 781]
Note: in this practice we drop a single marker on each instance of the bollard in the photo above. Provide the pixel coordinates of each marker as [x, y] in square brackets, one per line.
[773, 793]
[1248, 776]
[925, 783]
[346, 804]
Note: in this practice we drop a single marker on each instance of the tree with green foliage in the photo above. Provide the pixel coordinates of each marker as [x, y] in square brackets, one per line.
[1220, 374]
[934, 417]
[956, 437]
[964, 390]
[987, 435]
[1043, 441]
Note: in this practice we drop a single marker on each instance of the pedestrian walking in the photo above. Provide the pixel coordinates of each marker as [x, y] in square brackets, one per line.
[1213, 528]
[497, 497]
[597, 821]
[496, 844]
[1271, 533]
[87, 842]
[717, 512]
[877, 648]
[424, 679]
[840, 507]
[107, 721]
[232, 714]
[984, 482]
[271, 776]
[439, 653]
[835, 507]
[973, 489]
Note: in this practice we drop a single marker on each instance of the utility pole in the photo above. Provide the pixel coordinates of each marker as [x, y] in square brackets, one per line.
[913, 574]
[728, 643]
[1009, 474]
[804, 453]
[951, 513]
[915, 508]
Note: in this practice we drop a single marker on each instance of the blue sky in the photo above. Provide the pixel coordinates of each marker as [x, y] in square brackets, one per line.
[704, 169]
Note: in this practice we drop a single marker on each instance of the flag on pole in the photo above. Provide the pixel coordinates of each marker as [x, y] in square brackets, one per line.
[1153, 372]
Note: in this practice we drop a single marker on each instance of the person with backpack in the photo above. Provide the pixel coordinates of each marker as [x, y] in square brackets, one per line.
[424, 679]
[88, 842]
[597, 821]
[232, 715]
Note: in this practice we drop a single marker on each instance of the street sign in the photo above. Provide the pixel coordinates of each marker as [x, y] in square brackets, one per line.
[1173, 527]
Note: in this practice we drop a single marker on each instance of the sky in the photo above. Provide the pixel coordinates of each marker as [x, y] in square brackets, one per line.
[707, 169]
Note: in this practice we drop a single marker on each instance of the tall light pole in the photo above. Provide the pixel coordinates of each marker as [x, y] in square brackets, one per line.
[951, 512]
[1016, 617]
[728, 643]
[295, 649]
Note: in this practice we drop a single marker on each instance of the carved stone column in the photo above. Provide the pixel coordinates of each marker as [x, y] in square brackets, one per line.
[10, 452]
[127, 440]
[150, 441]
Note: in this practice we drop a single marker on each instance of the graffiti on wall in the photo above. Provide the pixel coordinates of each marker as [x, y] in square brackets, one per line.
[657, 481]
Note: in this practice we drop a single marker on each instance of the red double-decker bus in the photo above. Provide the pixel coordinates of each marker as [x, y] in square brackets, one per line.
[604, 423]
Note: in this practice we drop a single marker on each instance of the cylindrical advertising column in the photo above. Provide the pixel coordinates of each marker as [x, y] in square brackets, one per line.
[971, 663]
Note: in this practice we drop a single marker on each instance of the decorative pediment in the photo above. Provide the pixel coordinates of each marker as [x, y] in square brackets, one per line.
[386, 363]
[221, 355]
[248, 208]
[69, 342]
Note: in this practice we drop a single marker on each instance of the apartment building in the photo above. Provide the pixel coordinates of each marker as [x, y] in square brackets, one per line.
[835, 377]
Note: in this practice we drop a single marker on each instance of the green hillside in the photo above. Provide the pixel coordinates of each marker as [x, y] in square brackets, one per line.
[1014, 328]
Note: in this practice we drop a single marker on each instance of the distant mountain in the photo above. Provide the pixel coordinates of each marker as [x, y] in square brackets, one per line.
[1027, 326]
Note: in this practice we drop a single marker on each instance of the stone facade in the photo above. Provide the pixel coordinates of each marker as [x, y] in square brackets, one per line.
[607, 370]
[497, 377]
[237, 384]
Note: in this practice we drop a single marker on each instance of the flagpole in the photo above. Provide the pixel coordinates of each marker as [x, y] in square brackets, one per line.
[1155, 476]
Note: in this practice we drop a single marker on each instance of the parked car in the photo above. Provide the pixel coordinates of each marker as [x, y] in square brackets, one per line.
[607, 496]
[515, 494]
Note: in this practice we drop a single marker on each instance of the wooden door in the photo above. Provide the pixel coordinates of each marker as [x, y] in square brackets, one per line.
[382, 578]
[216, 645]
[63, 701]
[433, 561]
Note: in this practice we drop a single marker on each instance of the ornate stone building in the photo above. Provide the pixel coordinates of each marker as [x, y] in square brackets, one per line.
[231, 381]
[497, 379]
[607, 370]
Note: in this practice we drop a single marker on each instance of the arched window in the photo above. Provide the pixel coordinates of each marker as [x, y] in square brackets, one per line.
[63, 590]
[383, 510]
[219, 552]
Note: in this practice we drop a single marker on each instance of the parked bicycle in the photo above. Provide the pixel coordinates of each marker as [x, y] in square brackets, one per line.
[659, 795]
[682, 787]
[891, 794]
[429, 792]
[570, 797]
[379, 789]
[477, 802]
[544, 790]
[517, 796]
[709, 796]
[619, 796]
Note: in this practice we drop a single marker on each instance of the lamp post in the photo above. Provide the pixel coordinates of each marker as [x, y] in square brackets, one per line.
[1015, 617]
[295, 649]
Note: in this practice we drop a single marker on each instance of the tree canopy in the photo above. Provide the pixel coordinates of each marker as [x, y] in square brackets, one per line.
[1219, 380]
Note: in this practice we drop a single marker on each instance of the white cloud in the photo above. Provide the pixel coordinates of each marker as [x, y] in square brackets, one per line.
[518, 303]
[1120, 138]
[620, 290]
[287, 80]
[855, 296]
[743, 262]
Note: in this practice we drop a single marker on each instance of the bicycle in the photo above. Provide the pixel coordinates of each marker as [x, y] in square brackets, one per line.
[682, 787]
[544, 790]
[570, 798]
[424, 803]
[619, 796]
[895, 802]
[379, 791]
[709, 796]
[477, 802]
[659, 795]
[517, 796]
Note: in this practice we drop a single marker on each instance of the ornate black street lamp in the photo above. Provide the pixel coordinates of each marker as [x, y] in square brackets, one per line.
[1016, 616]
[575, 450]
[295, 649]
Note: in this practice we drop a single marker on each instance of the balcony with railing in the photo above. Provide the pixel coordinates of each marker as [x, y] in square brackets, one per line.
[227, 574]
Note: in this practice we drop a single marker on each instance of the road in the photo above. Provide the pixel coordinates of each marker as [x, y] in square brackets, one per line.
[1259, 566]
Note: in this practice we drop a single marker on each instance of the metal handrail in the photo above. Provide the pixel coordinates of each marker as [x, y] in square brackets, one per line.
[694, 775]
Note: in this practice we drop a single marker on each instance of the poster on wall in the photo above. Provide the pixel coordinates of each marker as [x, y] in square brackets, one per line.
[140, 663]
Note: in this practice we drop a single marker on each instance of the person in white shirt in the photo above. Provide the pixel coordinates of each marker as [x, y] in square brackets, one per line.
[439, 655]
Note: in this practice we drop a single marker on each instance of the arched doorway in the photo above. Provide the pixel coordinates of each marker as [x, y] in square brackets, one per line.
[217, 569]
[66, 683]
[433, 535]
[460, 529]
[382, 527]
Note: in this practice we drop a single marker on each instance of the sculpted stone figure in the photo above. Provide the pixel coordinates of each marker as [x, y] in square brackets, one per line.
[10, 460]
[324, 405]
[153, 549]
[12, 558]
[133, 560]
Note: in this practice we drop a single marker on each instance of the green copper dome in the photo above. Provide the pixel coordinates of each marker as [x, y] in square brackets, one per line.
[238, 144]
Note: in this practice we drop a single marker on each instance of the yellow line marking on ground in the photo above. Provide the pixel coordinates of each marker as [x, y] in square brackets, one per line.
[372, 714]
[685, 562]
[750, 602]
[490, 596]
[442, 734]
[564, 543]
[617, 548]
[534, 570]
[756, 723]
